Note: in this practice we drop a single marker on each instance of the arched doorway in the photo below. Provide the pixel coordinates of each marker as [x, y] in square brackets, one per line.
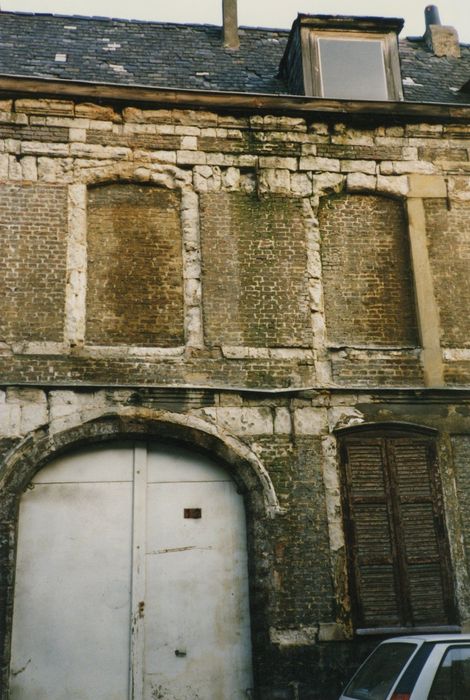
[131, 579]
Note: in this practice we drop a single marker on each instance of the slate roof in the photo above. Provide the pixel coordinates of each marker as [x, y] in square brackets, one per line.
[187, 56]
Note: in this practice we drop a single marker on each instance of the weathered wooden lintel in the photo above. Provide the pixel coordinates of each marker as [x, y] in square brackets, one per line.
[234, 101]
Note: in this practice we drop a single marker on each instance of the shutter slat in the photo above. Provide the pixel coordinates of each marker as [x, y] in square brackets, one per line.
[412, 468]
[378, 596]
[419, 531]
[372, 534]
[366, 471]
[427, 595]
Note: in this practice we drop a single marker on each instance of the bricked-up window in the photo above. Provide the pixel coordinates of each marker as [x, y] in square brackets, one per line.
[33, 244]
[398, 556]
[135, 268]
[367, 276]
[254, 276]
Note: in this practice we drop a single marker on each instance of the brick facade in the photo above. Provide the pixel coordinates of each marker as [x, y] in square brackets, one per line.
[243, 283]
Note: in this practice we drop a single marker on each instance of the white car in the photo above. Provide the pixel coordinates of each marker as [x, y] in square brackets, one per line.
[422, 667]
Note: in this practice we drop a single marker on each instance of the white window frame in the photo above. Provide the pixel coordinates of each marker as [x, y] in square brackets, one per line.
[313, 83]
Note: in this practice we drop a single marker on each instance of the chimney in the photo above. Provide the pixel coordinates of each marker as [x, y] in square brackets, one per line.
[229, 11]
[443, 41]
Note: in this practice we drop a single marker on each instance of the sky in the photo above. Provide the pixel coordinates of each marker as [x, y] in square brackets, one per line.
[260, 13]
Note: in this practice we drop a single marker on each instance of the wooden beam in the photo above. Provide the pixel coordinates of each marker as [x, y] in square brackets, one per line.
[233, 101]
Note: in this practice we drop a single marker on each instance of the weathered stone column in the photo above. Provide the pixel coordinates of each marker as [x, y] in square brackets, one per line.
[423, 186]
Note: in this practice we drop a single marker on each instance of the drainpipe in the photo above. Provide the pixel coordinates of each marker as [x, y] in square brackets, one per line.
[230, 24]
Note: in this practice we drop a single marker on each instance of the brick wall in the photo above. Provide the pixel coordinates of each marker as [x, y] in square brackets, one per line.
[461, 453]
[254, 270]
[366, 271]
[301, 546]
[135, 292]
[366, 368]
[33, 230]
[448, 233]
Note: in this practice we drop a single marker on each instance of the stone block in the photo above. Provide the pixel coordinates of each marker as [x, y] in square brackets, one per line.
[84, 150]
[246, 421]
[278, 163]
[359, 182]
[42, 106]
[46, 149]
[282, 421]
[88, 110]
[231, 179]
[10, 420]
[424, 186]
[189, 143]
[328, 182]
[29, 168]
[277, 181]
[358, 166]
[395, 185]
[301, 185]
[459, 188]
[190, 157]
[310, 421]
[77, 135]
[319, 164]
[4, 161]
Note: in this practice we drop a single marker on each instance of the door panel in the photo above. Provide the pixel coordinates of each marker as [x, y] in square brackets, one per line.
[71, 620]
[197, 636]
[179, 464]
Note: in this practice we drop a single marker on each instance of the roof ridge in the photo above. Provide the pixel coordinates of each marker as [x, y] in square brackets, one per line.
[130, 20]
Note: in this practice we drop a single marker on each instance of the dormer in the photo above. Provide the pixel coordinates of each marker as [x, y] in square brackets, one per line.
[338, 57]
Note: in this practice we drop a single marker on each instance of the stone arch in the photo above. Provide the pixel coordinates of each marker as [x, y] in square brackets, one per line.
[160, 174]
[44, 444]
[41, 446]
[358, 427]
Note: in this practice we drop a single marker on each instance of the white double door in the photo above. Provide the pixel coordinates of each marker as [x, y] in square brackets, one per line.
[131, 580]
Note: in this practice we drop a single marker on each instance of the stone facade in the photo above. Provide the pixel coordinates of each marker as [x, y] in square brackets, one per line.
[249, 284]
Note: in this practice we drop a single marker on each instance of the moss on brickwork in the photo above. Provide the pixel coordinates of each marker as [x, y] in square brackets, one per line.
[254, 271]
[302, 566]
[367, 271]
[135, 286]
[448, 231]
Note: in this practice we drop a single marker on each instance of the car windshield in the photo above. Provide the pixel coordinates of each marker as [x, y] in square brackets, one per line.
[378, 675]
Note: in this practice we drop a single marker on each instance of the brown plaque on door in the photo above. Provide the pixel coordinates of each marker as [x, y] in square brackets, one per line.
[192, 513]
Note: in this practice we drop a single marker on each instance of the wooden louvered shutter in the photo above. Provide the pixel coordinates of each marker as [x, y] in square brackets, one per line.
[397, 548]
[419, 522]
[369, 535]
